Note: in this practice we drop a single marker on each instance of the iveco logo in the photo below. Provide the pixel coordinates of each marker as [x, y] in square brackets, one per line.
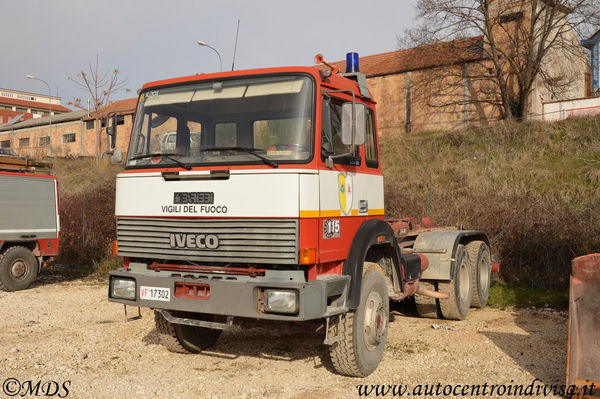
[201, 241]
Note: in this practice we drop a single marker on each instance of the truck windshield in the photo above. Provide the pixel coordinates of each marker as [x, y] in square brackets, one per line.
[264, 120]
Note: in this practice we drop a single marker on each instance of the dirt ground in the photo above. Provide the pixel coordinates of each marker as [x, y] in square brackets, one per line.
[65, 331]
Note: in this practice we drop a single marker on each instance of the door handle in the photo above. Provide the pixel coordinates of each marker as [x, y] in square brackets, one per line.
[363, 206]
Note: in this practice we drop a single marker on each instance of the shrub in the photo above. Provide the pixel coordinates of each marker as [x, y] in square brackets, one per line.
[87, 200]
[87, 226]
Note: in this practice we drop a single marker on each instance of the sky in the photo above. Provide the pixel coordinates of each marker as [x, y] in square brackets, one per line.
[149, 40]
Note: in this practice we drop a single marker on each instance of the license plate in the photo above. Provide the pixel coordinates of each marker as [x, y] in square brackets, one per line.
[155, 293]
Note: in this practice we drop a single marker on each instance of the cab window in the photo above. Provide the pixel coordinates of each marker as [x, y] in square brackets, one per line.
[331, 135]
[371, 156]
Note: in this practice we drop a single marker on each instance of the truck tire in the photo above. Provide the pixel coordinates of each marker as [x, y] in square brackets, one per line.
[479, 253]
[363, 332]
[457, 305]
[180, 338]
[18, 268]
[427, 307]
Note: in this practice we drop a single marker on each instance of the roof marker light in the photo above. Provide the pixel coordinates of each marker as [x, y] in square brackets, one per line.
[352, 63]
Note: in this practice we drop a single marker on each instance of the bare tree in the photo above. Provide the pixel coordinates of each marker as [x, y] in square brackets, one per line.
[100, 85]
[513, 46]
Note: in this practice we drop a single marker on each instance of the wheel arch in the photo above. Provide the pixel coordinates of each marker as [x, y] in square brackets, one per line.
[375, 242]
[440, 247]
[30, 245]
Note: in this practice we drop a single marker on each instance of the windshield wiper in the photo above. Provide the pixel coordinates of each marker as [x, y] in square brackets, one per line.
[168, 155]
[252, 151]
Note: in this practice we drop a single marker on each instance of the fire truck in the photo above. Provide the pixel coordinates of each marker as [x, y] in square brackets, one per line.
[268, 207]
[29, 220]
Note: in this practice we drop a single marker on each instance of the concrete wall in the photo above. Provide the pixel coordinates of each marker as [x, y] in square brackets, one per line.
[559, 110]
[565, 63]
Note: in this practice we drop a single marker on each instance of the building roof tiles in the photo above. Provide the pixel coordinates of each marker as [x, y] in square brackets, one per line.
[423, 57]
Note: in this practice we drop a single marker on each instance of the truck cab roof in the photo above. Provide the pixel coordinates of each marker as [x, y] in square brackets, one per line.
[335, 81]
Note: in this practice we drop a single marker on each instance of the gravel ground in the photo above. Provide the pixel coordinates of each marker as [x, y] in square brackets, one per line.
[66, 331]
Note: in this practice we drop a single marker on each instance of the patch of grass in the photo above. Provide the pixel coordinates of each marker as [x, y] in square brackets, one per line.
[505, 295]
[77, 176]
[411, 346]
[104, 266]
[484, 177]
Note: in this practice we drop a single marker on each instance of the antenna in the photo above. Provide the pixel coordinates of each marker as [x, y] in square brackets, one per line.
[235, 46]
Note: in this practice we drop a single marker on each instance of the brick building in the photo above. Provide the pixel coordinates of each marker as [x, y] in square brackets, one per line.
[14, 103]
[444, 85]
[73, 134]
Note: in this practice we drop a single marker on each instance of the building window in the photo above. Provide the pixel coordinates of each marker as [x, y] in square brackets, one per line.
[516, 16]
[21, 109]
[44, 141]
[120, 119]
[69, 138]
[5, 144]
[89, 124]
[24, 142]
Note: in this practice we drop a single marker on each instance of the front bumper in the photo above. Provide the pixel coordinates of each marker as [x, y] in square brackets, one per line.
[240, 296]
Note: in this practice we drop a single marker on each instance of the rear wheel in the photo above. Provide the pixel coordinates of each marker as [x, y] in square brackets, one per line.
[427, 307]
[180, 338]
[363, 331]
[479, 253]
[18, 268]
[457, 305]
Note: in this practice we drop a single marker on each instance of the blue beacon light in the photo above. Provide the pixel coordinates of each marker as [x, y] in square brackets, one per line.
[352, 62]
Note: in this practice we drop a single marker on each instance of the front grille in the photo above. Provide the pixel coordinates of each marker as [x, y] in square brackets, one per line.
[272, 241]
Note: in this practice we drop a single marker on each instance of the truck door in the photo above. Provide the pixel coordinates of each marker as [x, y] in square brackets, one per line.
[343, 189]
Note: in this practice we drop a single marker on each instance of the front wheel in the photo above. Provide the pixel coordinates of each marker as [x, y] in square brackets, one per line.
[180, 338]
[18, 269]
[363, 332]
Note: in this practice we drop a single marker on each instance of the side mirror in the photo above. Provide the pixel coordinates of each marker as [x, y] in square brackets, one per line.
[111, 131]
[353, 124]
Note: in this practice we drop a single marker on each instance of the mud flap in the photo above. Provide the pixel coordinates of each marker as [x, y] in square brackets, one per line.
[583, 355]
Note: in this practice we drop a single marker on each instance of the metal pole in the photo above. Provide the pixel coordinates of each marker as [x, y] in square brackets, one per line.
[83, 229]
[215, 50]
[429, 207]
[235, 46]
[522, 239]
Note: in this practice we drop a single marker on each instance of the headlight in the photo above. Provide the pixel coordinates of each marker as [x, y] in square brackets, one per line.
[281, 301]
[122, 288]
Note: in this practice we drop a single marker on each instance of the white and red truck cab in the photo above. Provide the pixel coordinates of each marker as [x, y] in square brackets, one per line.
[269, 206]
[29, 220]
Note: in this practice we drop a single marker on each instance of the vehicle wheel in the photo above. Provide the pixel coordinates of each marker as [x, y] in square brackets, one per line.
[180, 338]
[363, 331]
[18, 268]
[427, 307]
[457, 305]
[479, 253]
